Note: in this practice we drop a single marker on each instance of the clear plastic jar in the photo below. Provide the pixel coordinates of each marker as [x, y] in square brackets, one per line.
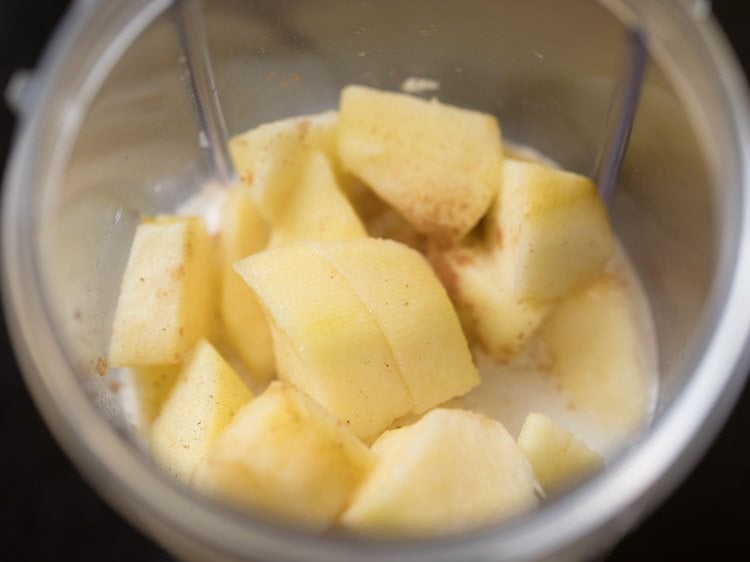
[109, 130]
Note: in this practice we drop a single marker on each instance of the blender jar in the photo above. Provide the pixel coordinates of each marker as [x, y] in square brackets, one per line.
[128, 114]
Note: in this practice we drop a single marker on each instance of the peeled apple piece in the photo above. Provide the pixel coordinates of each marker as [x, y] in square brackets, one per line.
[317, 209]
[167, 296]
[244, 232]
[201, 404]
[594, 341]
[286, 456]
[401, 291]
[152, 386]
[269, 158]
[452, 470]
[558, 457]
[437, 164]
[498, 321]
[327, 343]
[553, 227]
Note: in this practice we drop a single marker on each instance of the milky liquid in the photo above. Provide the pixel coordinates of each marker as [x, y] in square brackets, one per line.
[508, 392]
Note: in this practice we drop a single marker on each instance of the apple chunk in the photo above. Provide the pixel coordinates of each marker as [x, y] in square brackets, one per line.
[452, 470]
[244, 232]
[554, 228]
[286, 455]
[318, 209]
[166, 301]
[499, 322]
[152, 386]
[595, 343]
[203, 401]
[558, 457]
[268, 158]
[327, 342]
[437, 164]
[402, 292]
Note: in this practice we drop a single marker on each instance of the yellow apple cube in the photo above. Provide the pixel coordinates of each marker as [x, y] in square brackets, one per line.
[152, 386]
[269, 158]
[594, 341]
[167, 296]
[558, 457]
[329, 344]
[554, 228]
[244, 232]
[318, 209]
[451, 471]
[203, 401]
[501, 323]
[438, 165]
[401, 291]
[285, 455]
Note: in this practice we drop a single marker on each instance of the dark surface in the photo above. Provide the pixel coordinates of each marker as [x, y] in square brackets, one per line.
[47, 512]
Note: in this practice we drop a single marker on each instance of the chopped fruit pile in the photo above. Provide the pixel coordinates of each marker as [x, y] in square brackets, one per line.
[307, 363]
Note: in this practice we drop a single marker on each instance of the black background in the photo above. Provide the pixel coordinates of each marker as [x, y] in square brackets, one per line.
[47, 512]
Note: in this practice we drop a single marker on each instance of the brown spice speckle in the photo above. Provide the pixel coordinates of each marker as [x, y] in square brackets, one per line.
[101, 366]
[499, 238]
[247, 177]
[303, 127]
[178, 272]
